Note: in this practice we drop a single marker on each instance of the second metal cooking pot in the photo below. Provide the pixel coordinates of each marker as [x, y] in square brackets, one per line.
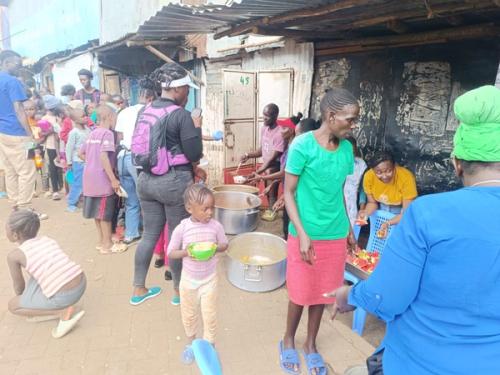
[237, 212]
[256, 262]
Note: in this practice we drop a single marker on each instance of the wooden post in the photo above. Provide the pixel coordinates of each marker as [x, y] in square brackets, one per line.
[164, 57]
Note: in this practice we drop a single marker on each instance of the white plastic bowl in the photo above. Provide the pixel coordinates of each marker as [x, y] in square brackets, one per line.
[239, 179]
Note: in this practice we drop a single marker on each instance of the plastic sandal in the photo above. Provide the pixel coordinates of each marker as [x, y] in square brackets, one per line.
[65, 326]
[187, 355]
[152, 292]
[115, 249]
[315, 361]
[290, 356]
[176, 301]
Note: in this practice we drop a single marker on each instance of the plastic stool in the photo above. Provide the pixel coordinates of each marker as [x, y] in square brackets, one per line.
[374, 244]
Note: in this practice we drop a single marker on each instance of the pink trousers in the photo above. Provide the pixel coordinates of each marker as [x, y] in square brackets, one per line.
[162, 244]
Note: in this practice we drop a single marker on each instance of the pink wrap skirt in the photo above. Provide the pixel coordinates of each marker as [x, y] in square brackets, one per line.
[306, 283]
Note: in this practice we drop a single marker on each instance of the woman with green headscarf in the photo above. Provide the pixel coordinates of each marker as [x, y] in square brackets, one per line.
[438, 283]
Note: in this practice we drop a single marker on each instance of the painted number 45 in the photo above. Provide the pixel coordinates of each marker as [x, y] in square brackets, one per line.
[245, 81]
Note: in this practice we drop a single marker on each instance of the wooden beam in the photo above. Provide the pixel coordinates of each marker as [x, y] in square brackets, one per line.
[397, 26]
[440, 9]
[429, 37]
[143, 43]
[298, 34]
[249, 45]
[359, 49]
[301, 14]
[164, 57]
[455, 20]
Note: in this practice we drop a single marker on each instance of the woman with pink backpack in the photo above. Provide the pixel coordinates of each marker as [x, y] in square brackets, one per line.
[165, 146]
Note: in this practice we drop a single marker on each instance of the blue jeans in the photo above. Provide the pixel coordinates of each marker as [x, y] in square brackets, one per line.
[128, 179]
[75, 190]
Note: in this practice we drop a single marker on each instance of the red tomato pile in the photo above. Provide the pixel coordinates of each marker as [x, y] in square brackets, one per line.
[364, 260]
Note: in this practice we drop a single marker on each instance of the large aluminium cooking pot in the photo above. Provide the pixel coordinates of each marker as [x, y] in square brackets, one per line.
[235, 187]
[256, 262]
[237, 212]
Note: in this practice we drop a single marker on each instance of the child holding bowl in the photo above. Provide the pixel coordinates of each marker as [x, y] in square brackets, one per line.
[196, 240]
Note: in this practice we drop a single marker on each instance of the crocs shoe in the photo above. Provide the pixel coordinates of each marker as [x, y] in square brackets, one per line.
[152, 292]
[187, 355]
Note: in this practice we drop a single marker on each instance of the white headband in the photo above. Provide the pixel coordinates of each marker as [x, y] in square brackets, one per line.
[184, 81]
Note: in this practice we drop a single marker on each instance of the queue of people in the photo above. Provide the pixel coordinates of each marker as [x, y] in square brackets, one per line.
[148, 154]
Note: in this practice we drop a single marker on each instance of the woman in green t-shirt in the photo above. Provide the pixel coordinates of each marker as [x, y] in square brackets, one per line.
[318, 164]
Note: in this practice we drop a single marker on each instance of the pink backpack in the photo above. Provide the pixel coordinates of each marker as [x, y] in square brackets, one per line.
[149, 141]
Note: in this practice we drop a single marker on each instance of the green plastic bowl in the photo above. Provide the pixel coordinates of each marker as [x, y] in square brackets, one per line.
[202, 251]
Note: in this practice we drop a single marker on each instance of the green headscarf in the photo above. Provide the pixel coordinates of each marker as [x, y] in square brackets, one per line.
[478, 136]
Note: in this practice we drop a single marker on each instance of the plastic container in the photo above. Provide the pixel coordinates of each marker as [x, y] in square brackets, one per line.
[202, 251]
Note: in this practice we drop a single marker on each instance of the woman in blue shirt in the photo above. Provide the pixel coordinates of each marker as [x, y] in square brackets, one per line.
[438, 283]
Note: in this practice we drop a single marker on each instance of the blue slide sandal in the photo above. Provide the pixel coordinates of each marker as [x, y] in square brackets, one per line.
[206, 357]
[289, 356]
[315, 360]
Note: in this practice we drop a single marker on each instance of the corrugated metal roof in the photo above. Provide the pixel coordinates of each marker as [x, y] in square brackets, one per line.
[178, 20]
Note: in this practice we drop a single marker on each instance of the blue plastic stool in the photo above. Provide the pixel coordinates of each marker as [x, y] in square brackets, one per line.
[374, 244]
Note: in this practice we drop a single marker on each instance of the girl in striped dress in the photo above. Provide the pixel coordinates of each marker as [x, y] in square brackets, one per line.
[56, 283]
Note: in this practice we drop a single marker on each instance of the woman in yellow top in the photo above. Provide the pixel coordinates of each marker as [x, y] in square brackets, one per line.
[388, 187]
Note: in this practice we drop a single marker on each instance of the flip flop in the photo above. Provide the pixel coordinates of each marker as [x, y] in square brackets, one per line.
[315, 360]
[65, 326]
[290, 356]
[152, 292]
[115, 249]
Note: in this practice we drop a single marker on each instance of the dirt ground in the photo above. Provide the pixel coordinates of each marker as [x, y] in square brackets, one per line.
[117, 338]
